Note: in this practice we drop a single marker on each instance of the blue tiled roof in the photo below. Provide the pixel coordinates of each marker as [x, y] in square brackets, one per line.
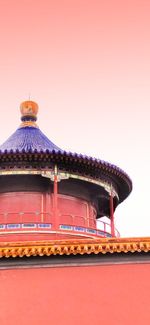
[28, 139]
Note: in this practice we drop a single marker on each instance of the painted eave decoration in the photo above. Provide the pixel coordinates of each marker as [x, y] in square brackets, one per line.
[81, 247]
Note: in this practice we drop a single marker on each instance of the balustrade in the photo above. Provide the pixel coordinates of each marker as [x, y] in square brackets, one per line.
[23, 221]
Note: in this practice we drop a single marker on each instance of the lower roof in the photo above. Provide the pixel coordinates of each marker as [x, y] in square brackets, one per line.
[75, 247]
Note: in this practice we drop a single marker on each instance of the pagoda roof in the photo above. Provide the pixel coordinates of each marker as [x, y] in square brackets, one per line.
[28, 139]
[28, 143]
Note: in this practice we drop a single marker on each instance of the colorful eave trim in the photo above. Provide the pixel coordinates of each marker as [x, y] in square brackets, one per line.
[71, 162]
[78, 247]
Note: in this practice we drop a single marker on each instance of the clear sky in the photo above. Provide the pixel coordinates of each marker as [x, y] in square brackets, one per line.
[87, 64]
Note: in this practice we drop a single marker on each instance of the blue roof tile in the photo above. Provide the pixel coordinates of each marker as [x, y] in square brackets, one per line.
[28, 139]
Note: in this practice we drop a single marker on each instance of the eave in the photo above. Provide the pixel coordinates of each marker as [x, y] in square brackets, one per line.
[76, 247]
[72, 163]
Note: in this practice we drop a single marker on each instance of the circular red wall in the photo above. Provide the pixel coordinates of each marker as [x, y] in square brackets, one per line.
[21, 207]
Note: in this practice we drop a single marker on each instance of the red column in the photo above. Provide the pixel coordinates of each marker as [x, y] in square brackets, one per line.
[55, 197]
[112, 215]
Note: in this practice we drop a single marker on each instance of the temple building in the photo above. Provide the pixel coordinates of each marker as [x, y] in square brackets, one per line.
[60, 262]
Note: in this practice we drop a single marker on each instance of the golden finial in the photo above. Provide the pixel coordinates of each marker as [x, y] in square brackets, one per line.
[29, 110]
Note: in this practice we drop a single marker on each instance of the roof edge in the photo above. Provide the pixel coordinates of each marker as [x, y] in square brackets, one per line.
[80, 247]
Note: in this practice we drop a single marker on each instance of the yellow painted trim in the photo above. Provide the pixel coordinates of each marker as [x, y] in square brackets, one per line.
[74, 247]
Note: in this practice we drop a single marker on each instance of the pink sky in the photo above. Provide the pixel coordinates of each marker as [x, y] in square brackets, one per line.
[87, 64]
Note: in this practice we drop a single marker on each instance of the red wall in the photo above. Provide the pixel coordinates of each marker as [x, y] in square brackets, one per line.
[72, 211]
[113, 295]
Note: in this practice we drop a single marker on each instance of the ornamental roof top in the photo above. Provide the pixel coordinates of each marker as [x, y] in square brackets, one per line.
[28, 137]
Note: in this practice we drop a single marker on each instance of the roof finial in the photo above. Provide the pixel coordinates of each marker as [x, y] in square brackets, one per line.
[29, 110]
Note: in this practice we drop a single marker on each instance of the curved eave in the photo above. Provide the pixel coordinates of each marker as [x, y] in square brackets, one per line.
[78, 247]
[72, 162]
